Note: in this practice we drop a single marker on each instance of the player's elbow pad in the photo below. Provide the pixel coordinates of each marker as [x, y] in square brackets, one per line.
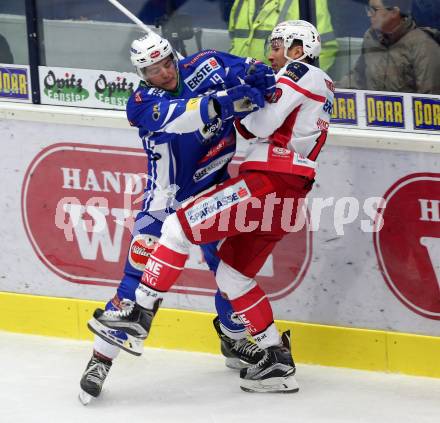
[194, 116]
[243, 131]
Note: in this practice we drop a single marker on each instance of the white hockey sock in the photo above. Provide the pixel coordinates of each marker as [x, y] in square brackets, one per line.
[106, 349]
[268, 338]
[236, 335]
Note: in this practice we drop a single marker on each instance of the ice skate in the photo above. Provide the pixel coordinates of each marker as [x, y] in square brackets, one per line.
[132, 320]
[118, 338]
[275, 372]
[93, 378]
[239, 353]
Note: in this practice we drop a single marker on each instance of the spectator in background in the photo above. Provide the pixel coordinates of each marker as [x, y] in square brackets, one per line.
[225, 8]
[154, 12]
[426, 13]
[396, 54]
[5, 51]
[343, 12]
[251, 23]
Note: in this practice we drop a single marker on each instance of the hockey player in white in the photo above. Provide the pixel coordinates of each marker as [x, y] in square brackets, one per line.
[281, 164]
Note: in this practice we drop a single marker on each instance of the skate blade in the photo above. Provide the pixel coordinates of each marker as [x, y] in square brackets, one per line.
[131, 345]
[84, 397]
[279, 385]
[235, 363]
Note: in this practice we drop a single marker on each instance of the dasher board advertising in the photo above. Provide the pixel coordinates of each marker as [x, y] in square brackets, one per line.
[86, 88]
[15, 83]
[366, 253]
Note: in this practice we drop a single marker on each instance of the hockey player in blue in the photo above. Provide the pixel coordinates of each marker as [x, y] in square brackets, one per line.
[184, 110]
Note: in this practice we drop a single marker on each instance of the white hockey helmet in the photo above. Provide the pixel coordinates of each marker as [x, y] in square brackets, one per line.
[148, 50]
[304, 31]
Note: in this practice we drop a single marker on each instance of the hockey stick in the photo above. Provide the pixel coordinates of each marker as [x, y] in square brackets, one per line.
[135, 19]
[130, 16]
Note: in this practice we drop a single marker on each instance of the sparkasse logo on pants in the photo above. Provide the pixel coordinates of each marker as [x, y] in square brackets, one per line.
[80, 223]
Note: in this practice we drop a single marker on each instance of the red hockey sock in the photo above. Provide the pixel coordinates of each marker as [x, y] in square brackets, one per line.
[163, 268]
[254, 310]
[102, 357]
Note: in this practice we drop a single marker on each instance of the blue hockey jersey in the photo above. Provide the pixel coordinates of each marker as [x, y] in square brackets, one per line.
[187, 152]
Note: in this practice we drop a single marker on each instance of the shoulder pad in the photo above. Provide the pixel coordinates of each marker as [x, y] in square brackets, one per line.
[139, 93]
[137, 96]
[295, 71]
[144, 94]
[190, 60]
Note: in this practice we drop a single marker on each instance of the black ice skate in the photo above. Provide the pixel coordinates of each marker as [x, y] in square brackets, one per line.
[93, 378]
[126, 328]
[240, 353]
[275, 372]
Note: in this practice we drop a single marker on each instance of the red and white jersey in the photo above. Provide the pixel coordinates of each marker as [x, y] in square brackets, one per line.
[292, 129]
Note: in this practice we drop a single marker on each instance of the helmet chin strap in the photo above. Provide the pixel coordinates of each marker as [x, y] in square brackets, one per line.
[140, 74]
[289, 59]
[176, 57]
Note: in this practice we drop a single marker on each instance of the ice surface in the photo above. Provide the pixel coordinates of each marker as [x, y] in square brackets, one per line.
[39, 382]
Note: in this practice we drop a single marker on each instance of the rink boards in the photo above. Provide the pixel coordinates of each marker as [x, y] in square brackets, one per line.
[354, 296]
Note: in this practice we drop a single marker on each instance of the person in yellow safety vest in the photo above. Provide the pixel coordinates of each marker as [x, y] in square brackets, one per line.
[251, 22]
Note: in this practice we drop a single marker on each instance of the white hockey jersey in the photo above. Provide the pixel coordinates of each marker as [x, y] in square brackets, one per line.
[292, 129]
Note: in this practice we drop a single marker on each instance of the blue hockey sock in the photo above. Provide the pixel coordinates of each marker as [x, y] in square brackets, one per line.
[225, 314]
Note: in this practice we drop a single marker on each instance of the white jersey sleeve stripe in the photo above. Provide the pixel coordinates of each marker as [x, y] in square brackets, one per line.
[302, 90]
